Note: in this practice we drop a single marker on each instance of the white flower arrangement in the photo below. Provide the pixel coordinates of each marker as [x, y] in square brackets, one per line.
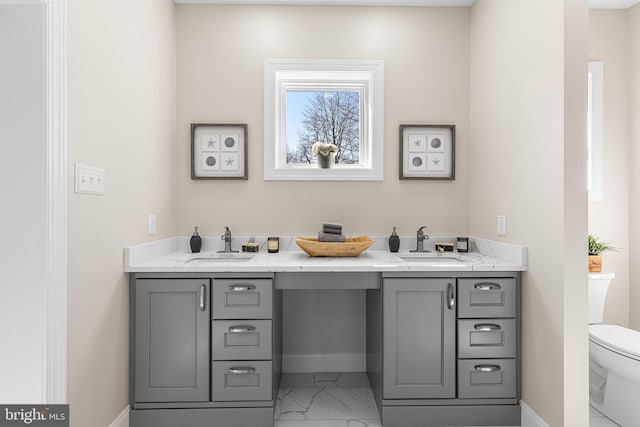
[323, 149]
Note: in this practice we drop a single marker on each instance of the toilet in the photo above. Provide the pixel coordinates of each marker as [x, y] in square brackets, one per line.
[614, 360]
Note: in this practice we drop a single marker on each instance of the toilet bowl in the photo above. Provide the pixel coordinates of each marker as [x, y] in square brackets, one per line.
[614, 361]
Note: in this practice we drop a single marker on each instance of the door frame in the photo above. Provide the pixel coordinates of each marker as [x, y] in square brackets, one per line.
[53, 297]
[55, 289]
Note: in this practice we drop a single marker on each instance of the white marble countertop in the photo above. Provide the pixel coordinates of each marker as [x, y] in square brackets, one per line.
[173, 255]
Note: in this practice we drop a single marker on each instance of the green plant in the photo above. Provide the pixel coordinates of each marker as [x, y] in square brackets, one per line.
[597, 246]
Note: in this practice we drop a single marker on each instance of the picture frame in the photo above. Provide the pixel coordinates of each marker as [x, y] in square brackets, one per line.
[427, 151]
[219, 151]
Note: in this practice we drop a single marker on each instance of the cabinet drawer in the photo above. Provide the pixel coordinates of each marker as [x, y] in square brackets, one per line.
[244, 380]
[486, 378]
[241, 339]
[241, 299]
[486, 298]
[494, 338]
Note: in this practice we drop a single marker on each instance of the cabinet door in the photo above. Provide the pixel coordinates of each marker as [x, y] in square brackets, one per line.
[172, 340]
[419, 338]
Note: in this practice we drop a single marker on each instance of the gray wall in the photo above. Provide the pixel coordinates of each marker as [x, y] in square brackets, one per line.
[324, 322]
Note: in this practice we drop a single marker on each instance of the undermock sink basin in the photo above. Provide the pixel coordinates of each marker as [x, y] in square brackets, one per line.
[433, 258]
[220, 257]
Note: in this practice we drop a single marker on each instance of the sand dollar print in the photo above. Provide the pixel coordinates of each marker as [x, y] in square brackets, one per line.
[210, 161]
[230, 142]
[435, 144]
[417, 162]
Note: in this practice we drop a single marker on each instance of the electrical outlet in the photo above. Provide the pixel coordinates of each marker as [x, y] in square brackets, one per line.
[152, 223]
[89, 180]
[502, 225]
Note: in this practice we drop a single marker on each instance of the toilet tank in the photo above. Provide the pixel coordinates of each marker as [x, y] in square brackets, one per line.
[598, 285]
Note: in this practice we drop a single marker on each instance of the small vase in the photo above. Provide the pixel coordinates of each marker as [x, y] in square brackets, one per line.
[325, 162]
[595, 263]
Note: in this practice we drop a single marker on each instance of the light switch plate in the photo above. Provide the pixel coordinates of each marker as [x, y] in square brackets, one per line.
[89, 180]
[152, 224]
[502, 225]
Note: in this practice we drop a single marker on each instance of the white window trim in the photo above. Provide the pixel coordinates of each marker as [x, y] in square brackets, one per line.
[280, 75]
[596, 131]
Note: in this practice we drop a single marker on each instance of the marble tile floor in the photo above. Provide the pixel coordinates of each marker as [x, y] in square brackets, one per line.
[326, 400]
[342, 400]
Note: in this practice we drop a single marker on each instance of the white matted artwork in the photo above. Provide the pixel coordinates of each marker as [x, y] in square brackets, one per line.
[218, 151]
[427, 152]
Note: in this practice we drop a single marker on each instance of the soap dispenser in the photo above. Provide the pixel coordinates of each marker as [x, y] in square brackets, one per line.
[394, 241]
[195, 242]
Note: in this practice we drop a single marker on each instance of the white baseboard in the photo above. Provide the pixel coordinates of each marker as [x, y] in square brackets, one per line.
[122, 420]
[530, 418]
[338, 362]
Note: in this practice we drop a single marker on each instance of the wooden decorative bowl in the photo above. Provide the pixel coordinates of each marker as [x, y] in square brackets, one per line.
[354, 246]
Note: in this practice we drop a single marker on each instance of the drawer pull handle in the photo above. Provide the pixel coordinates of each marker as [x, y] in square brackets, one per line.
[242, 288]
[487, 286]
[242, 370]
[487, 368]
[486, 327]
[241, 329]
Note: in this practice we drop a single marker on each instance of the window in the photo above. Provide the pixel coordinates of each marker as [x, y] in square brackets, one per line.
[595, 123]
[331, 116]
[333, 102]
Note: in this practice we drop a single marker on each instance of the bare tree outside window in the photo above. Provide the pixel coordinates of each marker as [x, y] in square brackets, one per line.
[332, 117]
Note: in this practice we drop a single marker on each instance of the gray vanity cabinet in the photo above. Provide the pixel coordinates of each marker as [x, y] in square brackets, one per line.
[487, 338]
[242, 319]
[445, 351]
[172, 318]
[205, 349]
[419, 338]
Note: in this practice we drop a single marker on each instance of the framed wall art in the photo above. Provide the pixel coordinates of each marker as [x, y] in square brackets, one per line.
[427, 151]
[218, 151]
